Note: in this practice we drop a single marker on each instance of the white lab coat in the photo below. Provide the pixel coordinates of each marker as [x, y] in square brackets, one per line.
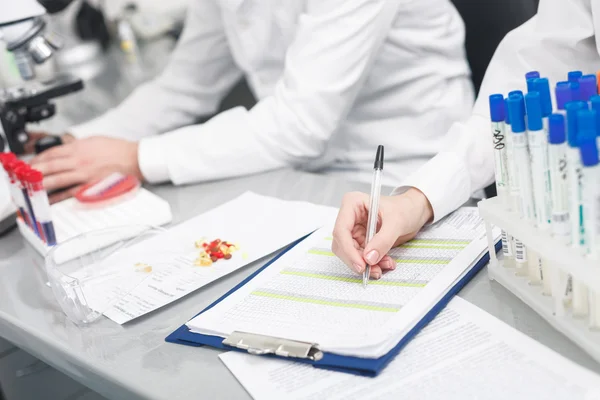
[560, 38]
[334, 79]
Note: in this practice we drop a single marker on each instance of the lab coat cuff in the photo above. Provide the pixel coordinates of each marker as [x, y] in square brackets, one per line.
[152, 160]
[444, 180]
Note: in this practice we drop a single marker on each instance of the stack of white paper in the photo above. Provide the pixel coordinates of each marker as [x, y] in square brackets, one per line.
[258, 225]
[310, 295]
[464, 353]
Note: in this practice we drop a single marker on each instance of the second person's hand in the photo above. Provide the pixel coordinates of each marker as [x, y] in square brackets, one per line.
[85, 160]
[400, 219]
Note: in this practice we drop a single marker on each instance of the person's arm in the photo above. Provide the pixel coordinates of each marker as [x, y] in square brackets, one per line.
[558, 39]
[198, 75]
[325, 67]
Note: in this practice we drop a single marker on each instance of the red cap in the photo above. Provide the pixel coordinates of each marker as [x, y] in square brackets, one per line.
[34, 176]
[21, 171]
[6, 157]
[11, 165]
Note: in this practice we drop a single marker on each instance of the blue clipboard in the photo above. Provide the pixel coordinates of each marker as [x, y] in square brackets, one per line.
[348, 364]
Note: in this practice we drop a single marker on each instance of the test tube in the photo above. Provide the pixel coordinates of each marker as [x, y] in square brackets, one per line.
[542, 86]
[536, 141]
[573, 76]
[20, 175]
[561, 227]
[591, 196]
[575, 91]
[588, 87]
[16, 192]
[574, 175]
[497, 113]
[516, 109]
[562, 92]
[8, 159]
[595, 103]
[41, 205]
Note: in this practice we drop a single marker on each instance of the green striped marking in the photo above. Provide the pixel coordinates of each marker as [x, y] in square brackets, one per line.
[322, 302]
[329, 238]
[319, 252]
[440, 241]
[351, 279]
[432, 246]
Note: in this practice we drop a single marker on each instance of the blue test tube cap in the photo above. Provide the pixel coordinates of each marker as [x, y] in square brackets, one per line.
[588, 87]
[516, 110]
[589, 152]
[595, 102]
[556, 126]
[542, 86]
[506, 115]
[533, 105]
[563, 94]
[573, 76]
[532, 74]
[586, 124]
[497, 108]
[520, 94]
[531, 85]
[576, 91]
[572, 108]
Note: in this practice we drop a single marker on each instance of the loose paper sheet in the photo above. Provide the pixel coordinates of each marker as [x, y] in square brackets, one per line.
[259, 225]
[464, 353]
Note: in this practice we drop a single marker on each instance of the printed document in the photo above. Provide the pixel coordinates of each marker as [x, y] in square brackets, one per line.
[464, 353]
[164, 268]
[310, 295]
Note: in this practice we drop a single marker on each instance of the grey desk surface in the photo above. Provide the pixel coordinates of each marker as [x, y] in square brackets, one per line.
[134, 362]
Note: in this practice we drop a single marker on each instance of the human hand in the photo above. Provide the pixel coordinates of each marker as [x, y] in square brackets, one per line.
[400, 219]
[85, 160]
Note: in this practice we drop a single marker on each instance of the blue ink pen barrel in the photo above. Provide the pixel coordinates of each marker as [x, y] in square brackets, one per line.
[41, 205]
[591, 213]
[516, 109]
[497, 114]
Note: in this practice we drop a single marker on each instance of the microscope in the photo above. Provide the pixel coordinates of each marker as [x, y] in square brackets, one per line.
[23, 29]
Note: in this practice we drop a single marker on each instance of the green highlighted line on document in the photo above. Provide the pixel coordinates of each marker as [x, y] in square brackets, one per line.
[411, 260]
[370, 306]
[353, 279]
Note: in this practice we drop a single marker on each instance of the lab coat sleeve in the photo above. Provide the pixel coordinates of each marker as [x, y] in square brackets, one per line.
[560, 38]
[325, 67]
[200, 72]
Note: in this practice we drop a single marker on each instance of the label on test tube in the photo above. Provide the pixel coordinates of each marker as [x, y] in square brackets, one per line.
[557, 154]
[39, 201]
[497, 113]
[539, 161]
[574, 174]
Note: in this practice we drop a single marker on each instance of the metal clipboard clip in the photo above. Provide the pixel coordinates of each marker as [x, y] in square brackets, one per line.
[262, 345]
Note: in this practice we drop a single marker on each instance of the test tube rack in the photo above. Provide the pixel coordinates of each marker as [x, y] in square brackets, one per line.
[563, 258]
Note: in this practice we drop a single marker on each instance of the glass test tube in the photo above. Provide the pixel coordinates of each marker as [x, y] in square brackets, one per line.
[41, 205]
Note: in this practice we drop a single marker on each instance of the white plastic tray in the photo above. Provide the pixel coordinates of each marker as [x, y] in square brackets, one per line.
[563, 257]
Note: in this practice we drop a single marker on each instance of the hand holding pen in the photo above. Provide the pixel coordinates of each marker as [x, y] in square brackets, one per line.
[399, 219]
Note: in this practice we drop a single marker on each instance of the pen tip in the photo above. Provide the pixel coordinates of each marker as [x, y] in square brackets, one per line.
[379, 158]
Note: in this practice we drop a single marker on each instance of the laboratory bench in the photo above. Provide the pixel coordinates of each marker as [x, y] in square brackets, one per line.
[133, 361]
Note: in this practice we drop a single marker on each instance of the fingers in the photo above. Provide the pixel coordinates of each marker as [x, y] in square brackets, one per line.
[64, 194]
[55, 152]
[64, 180]
[344, 245]
[376, 272]
[55, 166]
[381, 243]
